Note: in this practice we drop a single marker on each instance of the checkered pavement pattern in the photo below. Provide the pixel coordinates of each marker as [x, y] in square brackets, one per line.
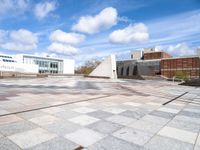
[117, 121]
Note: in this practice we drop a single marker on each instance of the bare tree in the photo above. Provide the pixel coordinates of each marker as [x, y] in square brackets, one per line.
[88, 67]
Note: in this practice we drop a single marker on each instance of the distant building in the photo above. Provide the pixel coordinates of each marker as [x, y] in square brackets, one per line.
[189, 66]
[156, 55]
[9, 64]
[38, 64]
[149, 50]
[137, 54]
[198, 52]
[154, 62]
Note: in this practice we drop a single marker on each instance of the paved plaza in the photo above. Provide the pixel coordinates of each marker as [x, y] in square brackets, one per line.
[98, 114]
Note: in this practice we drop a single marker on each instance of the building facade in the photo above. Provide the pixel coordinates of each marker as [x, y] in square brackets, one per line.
[37, 64]
[188, 66]
[154, 63]
[9, 64]
[132, 68]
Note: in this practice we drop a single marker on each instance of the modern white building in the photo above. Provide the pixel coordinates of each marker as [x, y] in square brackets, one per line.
[36, 64]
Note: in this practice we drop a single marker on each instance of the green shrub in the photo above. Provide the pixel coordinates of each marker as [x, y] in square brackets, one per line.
[182, 75]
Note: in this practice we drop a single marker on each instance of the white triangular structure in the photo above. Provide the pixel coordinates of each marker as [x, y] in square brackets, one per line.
[107, 68]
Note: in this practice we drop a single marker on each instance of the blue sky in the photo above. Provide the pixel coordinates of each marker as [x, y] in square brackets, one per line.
[86, 29]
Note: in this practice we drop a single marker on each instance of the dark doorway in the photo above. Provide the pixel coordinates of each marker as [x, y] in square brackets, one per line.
[127, 71]
[135, 70]
[122, 70]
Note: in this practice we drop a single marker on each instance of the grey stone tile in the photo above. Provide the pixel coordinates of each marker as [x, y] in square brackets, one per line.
[164, 143]
[89, 137]
[112, 143]
[100, 114]
[62, 127]
[134, 114]
[44, 120]
[133, 135]
[67, 114]
[3, 112]
[16, 127]
[192, 127]
[188, 119]
[176, 133]
[190, 114]
[57, 143]
[197, 147]
[119, 119]
[9, 119]
[146, 126]
[31, 138]
[162, 114]
[84, 120]
[155, 119]
[31, 114]
[6, 144]
[105, 127]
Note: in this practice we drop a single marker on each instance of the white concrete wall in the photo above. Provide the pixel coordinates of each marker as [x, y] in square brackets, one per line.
[198, 52]
[18, 58]
[18, 67]
[107, 68]
[137, 54]
[68, 66]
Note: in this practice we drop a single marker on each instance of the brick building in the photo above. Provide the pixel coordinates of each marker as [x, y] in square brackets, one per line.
[187, 65]
[154, 63]
[156, 55]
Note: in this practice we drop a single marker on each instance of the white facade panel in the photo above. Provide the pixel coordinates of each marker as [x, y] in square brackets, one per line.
[68, 66]
[137, 54]
[198, 51]
[18, 67]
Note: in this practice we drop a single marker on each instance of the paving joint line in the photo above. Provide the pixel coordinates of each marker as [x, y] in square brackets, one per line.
[174, 98]
[68, 103]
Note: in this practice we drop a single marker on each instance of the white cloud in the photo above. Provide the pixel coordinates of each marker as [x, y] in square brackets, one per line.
[69, 38]
[61, 48]
[131, 34]
[21, 40]
[43, 9]
[92, 24]
[2, 35]
[23, 36]
[179, 49]
[13, 7]
[18, 46]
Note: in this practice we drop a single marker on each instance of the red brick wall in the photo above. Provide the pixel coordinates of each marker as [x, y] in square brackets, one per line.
[190, 66]
[156, 55]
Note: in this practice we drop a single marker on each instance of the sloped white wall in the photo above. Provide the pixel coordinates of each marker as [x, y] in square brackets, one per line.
[107, 68]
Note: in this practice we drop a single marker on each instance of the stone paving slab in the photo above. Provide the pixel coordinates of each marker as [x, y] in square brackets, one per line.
[31, 138]
[57, 143]
[16, 127]
[105, 127]
[6, 144]
[69, 114]
[112, 143]
[88, 137]
[134, 136]
[165, 143]
[182, 135]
